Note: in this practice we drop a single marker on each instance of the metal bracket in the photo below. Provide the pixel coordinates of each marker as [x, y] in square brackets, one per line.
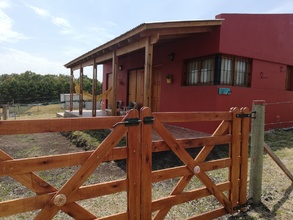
[250, 115]
[148, 120]
[129, 122]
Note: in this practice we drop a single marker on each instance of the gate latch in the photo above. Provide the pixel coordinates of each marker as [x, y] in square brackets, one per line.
[250, 115]
[129, 122]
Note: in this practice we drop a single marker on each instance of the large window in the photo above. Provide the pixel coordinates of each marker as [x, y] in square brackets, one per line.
[218, 70]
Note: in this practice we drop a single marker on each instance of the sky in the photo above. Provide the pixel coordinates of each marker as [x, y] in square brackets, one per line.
[43, 35]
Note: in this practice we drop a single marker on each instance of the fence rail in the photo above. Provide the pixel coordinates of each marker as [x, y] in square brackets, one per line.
[230, 193]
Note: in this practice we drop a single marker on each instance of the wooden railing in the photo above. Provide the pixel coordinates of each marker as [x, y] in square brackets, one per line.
[230, 194]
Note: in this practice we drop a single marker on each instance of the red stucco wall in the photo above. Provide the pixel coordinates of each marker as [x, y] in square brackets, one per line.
[262, 36]
[267, 39]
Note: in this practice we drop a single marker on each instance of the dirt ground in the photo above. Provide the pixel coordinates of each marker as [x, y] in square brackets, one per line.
[277, 198]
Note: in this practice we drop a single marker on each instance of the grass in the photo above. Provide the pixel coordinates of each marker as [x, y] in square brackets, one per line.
[35, 111]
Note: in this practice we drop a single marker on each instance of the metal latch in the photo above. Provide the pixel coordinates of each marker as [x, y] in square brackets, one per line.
[250, 115]
[129, 122]
[148, 120]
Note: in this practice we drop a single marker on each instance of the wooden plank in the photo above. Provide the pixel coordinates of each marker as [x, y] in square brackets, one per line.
[278, 161]
[57, 125]
[159, 146]
[16, 206]
[192, 116]
[119, 216]
[72, 185]
[133, 170]
[210, 215]
[235, 155]
[146, 166]
[244, 157]
[101, 189]
[170, 173]
[37, 202]
[183, 197]
[27, 165]
[39, 186]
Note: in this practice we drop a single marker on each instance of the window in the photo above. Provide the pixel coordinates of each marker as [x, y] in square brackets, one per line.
[200, 71]
[289, 80]
[218, 70]
[235, 71]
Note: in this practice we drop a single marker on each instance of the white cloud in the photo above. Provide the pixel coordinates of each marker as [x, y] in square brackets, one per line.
[39, 11]
[62, 23]
[17, 61]
[7, 34]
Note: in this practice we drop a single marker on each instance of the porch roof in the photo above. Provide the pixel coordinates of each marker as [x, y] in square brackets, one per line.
[134, 39]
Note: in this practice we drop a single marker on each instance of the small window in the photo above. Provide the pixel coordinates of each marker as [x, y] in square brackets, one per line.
[200, 71]
[289, 80]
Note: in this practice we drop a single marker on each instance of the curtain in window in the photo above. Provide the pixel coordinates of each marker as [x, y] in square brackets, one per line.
[226, 71]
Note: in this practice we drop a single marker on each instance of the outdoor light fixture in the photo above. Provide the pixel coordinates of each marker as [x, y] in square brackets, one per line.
[172, 56]
[120, 67]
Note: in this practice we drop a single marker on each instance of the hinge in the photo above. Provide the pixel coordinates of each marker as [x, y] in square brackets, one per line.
[250, 115]
[129, 122]
[148, 120]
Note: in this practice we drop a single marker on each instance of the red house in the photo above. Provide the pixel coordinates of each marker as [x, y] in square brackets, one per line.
[212, 65]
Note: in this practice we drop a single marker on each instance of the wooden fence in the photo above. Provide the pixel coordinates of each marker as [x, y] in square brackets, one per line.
[231, 193]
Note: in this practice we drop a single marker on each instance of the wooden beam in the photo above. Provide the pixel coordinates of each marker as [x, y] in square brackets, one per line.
[176, 31]
[114, 82]
[94, 90]
[131, 47]
[81, 90]
[71, 91]
[148, 72]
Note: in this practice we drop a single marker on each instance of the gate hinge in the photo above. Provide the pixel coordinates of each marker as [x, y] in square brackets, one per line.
[129, 122]
[250, 115]
[148, 120]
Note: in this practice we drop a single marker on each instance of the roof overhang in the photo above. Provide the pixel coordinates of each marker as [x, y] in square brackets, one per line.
[135, 39]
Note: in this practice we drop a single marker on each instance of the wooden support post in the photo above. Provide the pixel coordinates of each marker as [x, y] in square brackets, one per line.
[81, 90]
[71, 90]
[148, 72]
[94, 90]
[114, 83]
[256, 152]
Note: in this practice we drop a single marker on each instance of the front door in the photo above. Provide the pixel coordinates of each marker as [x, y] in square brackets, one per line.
[156, 89]
[135, 88]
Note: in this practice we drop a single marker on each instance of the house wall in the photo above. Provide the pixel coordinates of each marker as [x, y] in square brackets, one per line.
[261, 36]
[265, 39]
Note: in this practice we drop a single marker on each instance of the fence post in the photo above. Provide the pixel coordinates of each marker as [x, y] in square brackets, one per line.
[256, 152]
[5, 112]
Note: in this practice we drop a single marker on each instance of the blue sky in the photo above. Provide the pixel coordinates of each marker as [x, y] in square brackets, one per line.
[43, 35]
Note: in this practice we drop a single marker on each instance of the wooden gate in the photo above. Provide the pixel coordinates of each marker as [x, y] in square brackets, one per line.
[231, 194]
